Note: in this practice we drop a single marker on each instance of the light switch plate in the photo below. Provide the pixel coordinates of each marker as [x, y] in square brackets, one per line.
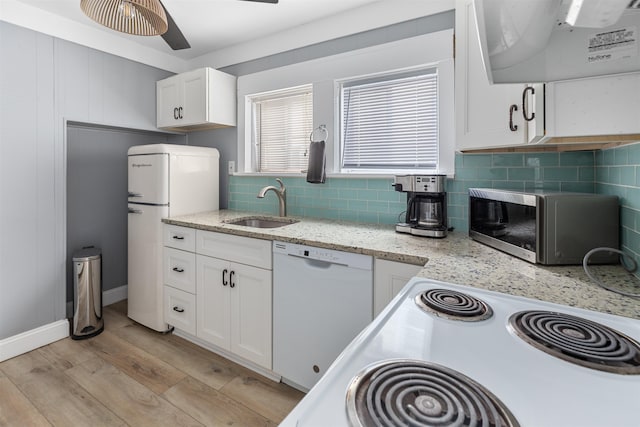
[232, 167]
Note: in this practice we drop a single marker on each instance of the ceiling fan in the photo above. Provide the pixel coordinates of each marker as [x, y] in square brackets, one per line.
[174, 37]
[140, 17]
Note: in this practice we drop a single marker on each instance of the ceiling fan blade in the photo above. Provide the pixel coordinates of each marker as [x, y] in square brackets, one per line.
[265, 1]
[174, 37]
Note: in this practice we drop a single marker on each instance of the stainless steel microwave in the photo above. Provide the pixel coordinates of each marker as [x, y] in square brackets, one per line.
[549, 228]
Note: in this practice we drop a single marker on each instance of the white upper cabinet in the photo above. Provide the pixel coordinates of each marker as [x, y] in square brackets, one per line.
[486, 115]
[597, 109]
[201, 99]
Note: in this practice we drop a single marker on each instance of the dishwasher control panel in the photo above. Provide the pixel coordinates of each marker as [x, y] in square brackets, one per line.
[321, 254]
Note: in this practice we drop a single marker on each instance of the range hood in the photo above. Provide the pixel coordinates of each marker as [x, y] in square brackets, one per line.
[536, 41]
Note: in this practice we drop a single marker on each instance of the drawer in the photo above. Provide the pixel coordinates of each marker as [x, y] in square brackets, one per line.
[244, 250]
[180, 269]
[179, 237]
[180, 309]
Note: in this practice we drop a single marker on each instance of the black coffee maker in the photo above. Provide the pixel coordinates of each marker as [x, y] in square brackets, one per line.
[426, 205]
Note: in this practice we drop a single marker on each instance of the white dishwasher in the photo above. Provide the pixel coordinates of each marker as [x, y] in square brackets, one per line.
[322, 299]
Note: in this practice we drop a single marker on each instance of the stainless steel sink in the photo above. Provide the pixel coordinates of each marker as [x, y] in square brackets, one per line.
[261, 222]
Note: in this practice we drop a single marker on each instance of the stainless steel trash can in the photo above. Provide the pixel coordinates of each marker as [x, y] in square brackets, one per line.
[87, 300]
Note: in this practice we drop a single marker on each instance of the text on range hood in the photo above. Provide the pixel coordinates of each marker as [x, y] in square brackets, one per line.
[528, 41]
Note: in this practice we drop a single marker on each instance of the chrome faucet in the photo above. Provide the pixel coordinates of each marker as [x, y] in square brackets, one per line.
[280, 192]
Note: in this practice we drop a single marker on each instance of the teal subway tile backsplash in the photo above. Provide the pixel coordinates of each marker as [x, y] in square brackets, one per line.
[542, 159]
[576, 158]
[560, 174]
[612, 171]
[568, 171]
[616, 173]
[509, 159]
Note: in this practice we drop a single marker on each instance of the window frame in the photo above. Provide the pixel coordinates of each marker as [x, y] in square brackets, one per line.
[253, 101]
[425, 50]
[341, 84]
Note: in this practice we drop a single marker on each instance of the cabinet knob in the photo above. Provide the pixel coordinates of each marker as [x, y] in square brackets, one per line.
[316, 368]
[178, 309]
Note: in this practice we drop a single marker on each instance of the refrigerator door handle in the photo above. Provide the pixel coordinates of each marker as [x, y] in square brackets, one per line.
[132, 194]
[135, 211]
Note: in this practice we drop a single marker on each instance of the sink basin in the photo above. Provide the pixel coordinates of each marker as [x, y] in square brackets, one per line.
[260, 222]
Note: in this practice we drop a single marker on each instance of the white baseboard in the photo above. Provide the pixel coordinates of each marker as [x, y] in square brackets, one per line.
[108, 297]
[114, 295]
[30, 340]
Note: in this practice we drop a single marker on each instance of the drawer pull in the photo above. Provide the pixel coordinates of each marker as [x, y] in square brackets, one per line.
[178, 270]
[178, 309]
[178, 237]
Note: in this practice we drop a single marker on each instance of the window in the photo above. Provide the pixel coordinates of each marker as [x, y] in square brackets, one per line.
[389, 123]
[282, 122]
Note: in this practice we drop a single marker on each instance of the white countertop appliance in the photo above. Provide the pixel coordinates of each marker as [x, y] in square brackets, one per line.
[164, 180]
[444, 354]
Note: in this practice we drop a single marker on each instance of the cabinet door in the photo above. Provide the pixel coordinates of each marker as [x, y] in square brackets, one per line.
[182, 238]
[194, 86]
[607, 105]
[169, 93]
[212, 306]
[389, 278]
[180, 309]
[251, 314]
[482, 110]
[180, 269]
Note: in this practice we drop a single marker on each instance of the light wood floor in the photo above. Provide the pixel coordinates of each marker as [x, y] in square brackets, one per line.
[130, 375]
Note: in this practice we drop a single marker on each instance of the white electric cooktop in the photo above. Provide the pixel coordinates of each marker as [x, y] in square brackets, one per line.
[533, 387]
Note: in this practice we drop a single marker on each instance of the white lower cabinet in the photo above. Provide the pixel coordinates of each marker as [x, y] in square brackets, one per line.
[234, 308]
[214, 295]
[180, 309]
[389, 277]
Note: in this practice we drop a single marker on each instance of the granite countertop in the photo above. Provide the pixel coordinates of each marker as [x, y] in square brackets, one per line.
[455, 259]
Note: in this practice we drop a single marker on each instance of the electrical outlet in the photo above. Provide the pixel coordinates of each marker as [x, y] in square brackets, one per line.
[232, 167]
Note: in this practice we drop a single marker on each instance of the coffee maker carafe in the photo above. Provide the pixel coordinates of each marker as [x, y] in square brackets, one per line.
[426, 205]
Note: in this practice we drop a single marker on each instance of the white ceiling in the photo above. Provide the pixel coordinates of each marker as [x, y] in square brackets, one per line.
[221, 32]
[210, 25]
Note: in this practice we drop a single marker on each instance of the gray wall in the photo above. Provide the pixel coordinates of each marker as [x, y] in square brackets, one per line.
[226, 140]
[96, 196]
[44, 82]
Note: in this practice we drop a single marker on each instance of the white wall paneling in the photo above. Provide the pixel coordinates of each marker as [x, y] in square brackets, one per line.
[43, 83]
[28, 267]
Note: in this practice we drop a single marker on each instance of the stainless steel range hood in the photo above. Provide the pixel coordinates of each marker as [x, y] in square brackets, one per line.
[529, 41]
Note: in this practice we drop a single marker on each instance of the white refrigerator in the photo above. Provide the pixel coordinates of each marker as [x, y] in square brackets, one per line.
[164, 180]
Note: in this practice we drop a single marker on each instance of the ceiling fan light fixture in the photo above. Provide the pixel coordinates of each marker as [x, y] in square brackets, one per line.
[137, 17]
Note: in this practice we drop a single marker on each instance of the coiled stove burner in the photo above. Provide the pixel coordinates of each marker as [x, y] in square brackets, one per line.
[578, 341]
[417, 393]
[453, 305]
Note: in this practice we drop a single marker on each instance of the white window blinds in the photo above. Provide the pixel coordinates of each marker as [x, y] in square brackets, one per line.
[283, 123]
[391, 122]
